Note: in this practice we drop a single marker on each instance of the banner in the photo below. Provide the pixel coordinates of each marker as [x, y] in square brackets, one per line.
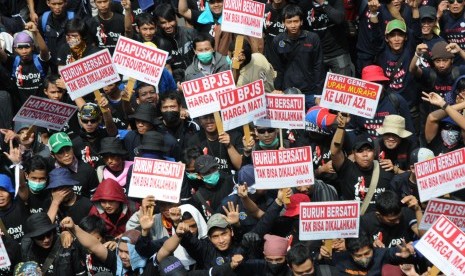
[88, 74]
[139, 61]
[329, 220]
[284, 111]
[276, 169]
[243, 17]
[441, 175]
[4, 259]
[45, 113]
[453, 210]
[444, 246]
[350, 95]
[160, 178]
[202, 94]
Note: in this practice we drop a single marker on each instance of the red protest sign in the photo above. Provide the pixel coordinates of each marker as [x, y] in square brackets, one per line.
[284, 111]
[441, 175]
[242, 105]
[453, 210]
[45, 113]
[444, 246]
[350, 95]
[139, 61]
[276, 169]
[89, 74]
[243, 17]
[329, 220]
[156, 177]
[202, 94]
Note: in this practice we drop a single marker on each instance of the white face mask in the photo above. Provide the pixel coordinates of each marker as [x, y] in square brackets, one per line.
[73, 42]
[450, 137]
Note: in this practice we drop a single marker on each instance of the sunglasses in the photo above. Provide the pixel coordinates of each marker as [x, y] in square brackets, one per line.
[453, 1]
[450, 127]
[263, 130]
[92, 121]
[43, 236]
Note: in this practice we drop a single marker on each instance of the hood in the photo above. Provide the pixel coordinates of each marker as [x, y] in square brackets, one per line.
[109, 189]
[201, 224]
[450, 96]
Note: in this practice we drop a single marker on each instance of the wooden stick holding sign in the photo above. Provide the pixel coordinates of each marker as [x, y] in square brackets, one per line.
[434, 271]
[328, 245]
[98, 97]
[218, 122]
[246, 132]
[237, 51]
[281, 143]
[129, 88]
[29, 132]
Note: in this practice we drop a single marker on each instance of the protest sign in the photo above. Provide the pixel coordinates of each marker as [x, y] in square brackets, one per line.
[89, 73]
[350, 95]
[453, 210]
[4, 259]
[441, 175]
[329, 220]
[45, 113]
[444, 246]
[243, 17]
[202, 94]
[160, 178]
[284, 111]
[276, 169]
[242, 105]
[139, 61]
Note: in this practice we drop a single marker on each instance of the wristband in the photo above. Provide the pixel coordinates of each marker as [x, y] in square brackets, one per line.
[444, 106]
[339, 127]
[373, 14]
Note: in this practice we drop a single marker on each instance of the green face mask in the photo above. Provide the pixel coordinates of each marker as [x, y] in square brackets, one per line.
[36, 186]
[228, 59]
[192, 176]
[212, 179]
[270, 146]
[205, 57]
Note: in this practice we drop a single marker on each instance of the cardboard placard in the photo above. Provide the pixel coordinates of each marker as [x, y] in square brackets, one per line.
[453, 210]
[89, 73]
[329, 220]
[242, 105]
[284, 111]
[243, 17]
[139, 61]
[441, 175]
[160, 178]
[350, 95]
[276, 169]
[4, 259]
[444, 246]
[45, 113]
[202, 94]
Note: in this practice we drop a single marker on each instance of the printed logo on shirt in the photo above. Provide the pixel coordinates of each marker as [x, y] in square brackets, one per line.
[16, 232]
[219, 260]
[281, 43]
[242, 215]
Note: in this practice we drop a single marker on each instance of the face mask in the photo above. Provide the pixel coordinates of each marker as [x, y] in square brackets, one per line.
[170, 117]
[228, 59]
[36, 186]
[270, 146]
[212, 179]
[275, 268]
[205, 57]
[450, 137]
[73, 42]
[192, 176]
[363, 262]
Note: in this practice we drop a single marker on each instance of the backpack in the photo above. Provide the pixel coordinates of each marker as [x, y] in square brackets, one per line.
[46, 15]
[37, 64]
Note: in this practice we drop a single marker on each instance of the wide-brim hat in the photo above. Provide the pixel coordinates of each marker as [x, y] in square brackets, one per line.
[373, 73]
[60, 177]
[112, 145]
[153, 141]
[145, 112]
[38, 224]
[394, 124]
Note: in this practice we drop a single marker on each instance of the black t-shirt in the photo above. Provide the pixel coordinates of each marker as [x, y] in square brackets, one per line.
[87, 178]
[273, 26]
[77, 212]
[37, 203]
[213, 196]
[86, 150]
[399, 156]
[392, 235]
[356, 182]
[402, 185]
[105, 33]
[15, 220]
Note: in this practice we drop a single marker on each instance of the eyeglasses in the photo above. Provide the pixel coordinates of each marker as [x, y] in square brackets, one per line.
[453, 1]
[263, 130]
[43, 236]
[92, 121]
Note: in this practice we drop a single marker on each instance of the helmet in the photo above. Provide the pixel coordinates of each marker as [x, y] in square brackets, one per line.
[89, 111]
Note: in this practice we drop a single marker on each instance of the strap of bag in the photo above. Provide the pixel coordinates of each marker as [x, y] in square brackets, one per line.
[51, 257]
[204, 202]
[3, 228]
[372, 189]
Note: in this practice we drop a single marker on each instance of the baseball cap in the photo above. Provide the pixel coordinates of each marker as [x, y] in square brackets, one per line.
[58, 141]
[428, 12]
[363, 140]
[396, 24]
[420, 155]
[204, 163]
[217, 220]
[22, 39]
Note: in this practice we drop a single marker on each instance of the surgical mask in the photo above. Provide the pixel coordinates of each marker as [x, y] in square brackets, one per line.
[36, 186]
[192, 176]
[270, 146]
[205, 57]
[212, 179]
[73, 42]
[228, 59]
[170, 117]
[450, 137]
[365, 262]
[275, 268]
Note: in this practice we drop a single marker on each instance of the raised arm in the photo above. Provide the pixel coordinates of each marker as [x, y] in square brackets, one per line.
[337, 155]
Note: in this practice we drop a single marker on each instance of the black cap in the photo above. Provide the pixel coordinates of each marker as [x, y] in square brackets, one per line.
[363, 140]
[204, 163]
[428, 12]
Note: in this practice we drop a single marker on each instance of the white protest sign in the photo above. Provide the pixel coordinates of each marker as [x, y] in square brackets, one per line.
[242, 105]
[441, 175]
[139, 61]
[243, 17]
[453, 210]
[4, 259]
[160, 178]
[45, 113]
[284, 111]
[329, 220]
[350, 95]
[276, 169]
[202, 94]
[444, 246]
[89, 73]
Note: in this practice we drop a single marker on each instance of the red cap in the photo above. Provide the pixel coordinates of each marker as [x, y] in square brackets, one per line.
[373, 73]
[293, 208]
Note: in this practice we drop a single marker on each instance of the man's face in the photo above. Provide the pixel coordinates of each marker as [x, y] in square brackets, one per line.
[266, 135]
[203, 46]
[53, 92]
[45, 241]
[114, 162]
[65, 156]
[391, 141]
[24, 51]
[427, 25]
[56, 6]
[147, 94]
[363, 255]
[192, 226]
[168, 27]
[109, 89]
[221, 238]
[216, 6]
[103, 6]
[364, 157]
[306, 268]
[89, 125]
[147, 31]
[396, 4]
[37, 175]
[456, 7]
[123, 254]
[208, 123]
[390, 220]
[395, 40]
[442, 65]
[110, 206]
[5, 199]
[143, 126]
[170, 105]
[293, 25]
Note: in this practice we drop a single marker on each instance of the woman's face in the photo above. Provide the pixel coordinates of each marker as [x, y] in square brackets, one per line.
[391, 141]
